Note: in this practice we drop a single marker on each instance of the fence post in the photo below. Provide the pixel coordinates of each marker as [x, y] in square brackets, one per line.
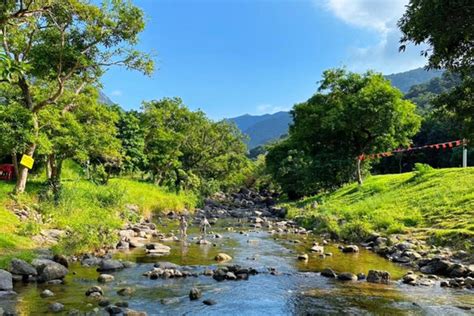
[464, 154]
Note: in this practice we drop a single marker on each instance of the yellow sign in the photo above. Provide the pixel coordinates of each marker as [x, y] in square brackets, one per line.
[27, 161]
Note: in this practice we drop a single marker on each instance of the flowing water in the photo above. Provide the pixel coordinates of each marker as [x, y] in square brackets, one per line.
[297, 289]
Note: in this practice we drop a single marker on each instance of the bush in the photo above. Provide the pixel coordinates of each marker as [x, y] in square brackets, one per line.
[356, 231]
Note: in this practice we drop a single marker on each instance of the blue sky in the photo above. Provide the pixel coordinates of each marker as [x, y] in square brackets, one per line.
[231, 57]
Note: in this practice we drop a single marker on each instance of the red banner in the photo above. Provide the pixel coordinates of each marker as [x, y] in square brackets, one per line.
[451, 144]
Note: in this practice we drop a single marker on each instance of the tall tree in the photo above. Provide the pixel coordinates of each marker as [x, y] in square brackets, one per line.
[60, 45]
[350, 116]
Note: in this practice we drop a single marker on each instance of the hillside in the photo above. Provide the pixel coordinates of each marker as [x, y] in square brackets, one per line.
[431, 203]
[405, 80]
[262, 129]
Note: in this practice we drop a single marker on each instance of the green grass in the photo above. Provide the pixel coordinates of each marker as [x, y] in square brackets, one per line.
[88, 212]
[434, 203]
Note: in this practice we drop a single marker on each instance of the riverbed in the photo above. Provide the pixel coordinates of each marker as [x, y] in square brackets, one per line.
[294, 288]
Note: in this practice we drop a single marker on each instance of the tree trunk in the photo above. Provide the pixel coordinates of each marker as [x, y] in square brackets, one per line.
[23, 172]
[55, 180]
[30, 151]
[359, 171]
[49, 167]
[15, 164]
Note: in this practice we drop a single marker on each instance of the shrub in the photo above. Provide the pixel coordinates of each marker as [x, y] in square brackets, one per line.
[356, 231]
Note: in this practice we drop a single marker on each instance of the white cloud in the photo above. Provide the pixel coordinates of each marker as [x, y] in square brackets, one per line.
[265, 108]
[379, 16]
[116, 93]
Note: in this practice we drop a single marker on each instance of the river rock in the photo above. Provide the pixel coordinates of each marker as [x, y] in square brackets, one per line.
[157, 249]
[222, 257]
[127, 291]
[457, 270]
[435, 266]
[46, 293]
[110, 265]
[104, 302]
[49, 270]
[328, 273]
[361, 276]
[95, 289]
[105, 278]
[208, 272]
[123, 245]
[347, 276]
[114, 310]
[317, 249]
[195, 294]
[230, 276]
[21, 267]
[378, 276]
[131, 312]
[410, 278]
[303, 257]
[6, 281]
[209, 302]
[89, 260]
[56, 307]
[350, 248]
[166, 265]
[62, 260]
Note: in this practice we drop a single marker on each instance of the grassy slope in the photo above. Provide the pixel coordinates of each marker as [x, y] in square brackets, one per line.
[88, 211]
[437, 203]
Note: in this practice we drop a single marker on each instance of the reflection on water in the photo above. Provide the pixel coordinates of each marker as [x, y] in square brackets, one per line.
[298, 289]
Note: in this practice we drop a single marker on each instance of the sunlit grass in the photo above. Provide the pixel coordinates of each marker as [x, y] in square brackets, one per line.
[439, 201]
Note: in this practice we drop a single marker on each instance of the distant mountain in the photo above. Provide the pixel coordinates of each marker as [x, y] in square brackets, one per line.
[262, 129]
[103, 98]
[405, 80]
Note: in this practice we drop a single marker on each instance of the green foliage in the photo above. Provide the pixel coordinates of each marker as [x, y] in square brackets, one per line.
[350, 115]
[53, 52]
[132, 136]
[422, 169]
[450, 39]
[438, 204]
[451, 46]
[186, 150]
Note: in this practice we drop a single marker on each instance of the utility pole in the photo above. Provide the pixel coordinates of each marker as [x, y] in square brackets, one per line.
[464, 154]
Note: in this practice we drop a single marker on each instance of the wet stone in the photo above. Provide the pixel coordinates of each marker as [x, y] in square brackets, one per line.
[347, 276]
[195, 294]
[56, 307]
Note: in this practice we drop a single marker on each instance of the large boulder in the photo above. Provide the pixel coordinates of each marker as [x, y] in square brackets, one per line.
[20, 267]
[49, 270]
[110, 265]
[436, 266]
[6, 281]
[378, 276]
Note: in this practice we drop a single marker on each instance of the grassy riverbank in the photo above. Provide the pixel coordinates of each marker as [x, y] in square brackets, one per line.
[434, 204]
[88, 212]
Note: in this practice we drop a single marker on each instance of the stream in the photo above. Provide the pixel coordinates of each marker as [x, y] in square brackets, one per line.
[295, 289]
